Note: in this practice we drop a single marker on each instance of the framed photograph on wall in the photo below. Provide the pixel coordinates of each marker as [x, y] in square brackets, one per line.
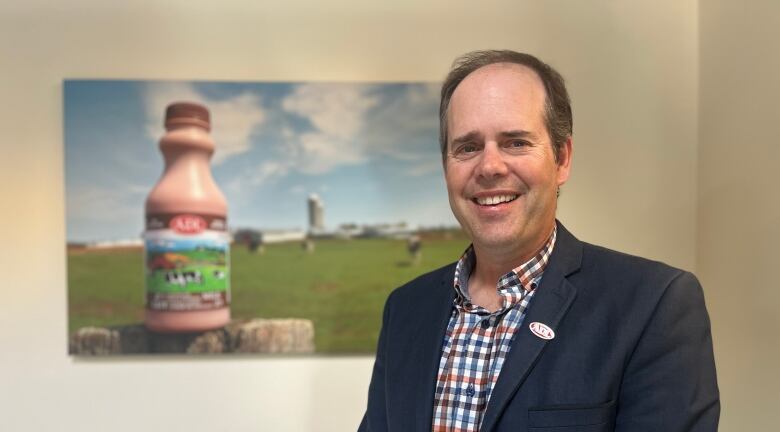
[333, 196]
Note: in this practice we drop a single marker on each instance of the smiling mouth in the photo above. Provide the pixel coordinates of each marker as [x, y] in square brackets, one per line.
[494, 200]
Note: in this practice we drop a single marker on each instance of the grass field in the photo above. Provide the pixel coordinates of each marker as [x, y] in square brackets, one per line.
[341, 286]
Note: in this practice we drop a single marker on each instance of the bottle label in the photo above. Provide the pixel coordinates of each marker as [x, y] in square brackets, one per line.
[187, 262]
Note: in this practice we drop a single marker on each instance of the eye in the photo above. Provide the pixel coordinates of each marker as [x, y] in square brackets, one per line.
[465, 150]
[518, 146]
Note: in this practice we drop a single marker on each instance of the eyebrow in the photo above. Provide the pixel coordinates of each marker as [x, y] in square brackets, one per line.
[518, 133]
[467, 138]
[476, 136]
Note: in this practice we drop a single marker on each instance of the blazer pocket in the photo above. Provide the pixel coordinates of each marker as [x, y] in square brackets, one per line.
[572, 418]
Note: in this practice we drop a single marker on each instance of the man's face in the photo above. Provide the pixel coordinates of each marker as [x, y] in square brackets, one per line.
[501, 173]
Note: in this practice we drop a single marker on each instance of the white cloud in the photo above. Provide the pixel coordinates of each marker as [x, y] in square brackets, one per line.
[298, 190]
[240, 187]
[101, 203]
[321, 153]
[232, 119]
[337, 110]
[338, 114]
[413, 114]
[425, 168]
[267, 171]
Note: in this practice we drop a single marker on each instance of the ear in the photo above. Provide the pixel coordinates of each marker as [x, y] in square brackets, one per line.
[564, 161]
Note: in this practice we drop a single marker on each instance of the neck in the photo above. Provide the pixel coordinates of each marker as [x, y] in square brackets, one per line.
[494, 262]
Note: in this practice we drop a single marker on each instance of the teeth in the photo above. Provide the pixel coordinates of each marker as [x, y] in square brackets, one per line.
[493, 200]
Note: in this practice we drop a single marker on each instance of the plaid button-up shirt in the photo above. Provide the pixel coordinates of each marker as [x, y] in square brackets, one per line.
[477, 341]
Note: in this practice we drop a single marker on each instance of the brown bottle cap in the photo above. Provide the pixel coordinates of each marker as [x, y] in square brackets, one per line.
[187, 113]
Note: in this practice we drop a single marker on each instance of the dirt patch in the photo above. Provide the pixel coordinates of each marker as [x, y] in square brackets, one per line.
[326, 287]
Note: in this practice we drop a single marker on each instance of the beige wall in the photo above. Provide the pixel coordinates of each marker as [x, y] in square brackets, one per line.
[739, 205]
[633, 72]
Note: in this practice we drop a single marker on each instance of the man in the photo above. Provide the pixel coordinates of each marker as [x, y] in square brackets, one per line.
[533, 330]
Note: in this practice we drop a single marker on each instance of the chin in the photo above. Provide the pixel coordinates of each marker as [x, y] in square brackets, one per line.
[496, 239]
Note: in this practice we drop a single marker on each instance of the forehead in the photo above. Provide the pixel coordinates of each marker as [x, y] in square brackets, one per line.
[500, 96]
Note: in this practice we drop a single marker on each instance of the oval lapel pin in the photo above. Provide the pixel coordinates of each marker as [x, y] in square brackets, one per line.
[541, 330]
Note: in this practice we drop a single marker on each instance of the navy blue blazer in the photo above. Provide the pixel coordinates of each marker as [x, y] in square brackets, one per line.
[632, 351]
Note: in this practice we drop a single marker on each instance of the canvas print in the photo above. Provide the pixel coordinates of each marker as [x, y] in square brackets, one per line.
[253, 217]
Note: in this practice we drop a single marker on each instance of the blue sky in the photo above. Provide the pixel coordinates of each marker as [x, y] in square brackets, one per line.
[370, 151]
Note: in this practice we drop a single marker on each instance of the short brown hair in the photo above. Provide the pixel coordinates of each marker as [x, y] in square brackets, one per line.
[557, 112]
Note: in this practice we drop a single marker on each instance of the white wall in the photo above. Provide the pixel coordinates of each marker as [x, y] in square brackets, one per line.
[739, 205]
[633, 73]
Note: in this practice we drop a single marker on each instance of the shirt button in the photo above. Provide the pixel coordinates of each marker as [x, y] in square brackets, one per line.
[470, 390]
[486, 323]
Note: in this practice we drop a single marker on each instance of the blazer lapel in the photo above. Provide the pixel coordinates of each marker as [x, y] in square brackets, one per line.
[432, 328]
[549, 305]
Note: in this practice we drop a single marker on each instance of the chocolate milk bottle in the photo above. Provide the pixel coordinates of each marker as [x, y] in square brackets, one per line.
[186, 240]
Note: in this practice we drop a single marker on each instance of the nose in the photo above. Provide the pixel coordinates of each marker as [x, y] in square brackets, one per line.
[492, 163]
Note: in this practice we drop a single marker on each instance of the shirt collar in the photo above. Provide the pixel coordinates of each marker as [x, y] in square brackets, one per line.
[522, 278]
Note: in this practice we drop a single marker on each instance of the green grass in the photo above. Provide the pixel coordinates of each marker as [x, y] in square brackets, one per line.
[341, 287]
